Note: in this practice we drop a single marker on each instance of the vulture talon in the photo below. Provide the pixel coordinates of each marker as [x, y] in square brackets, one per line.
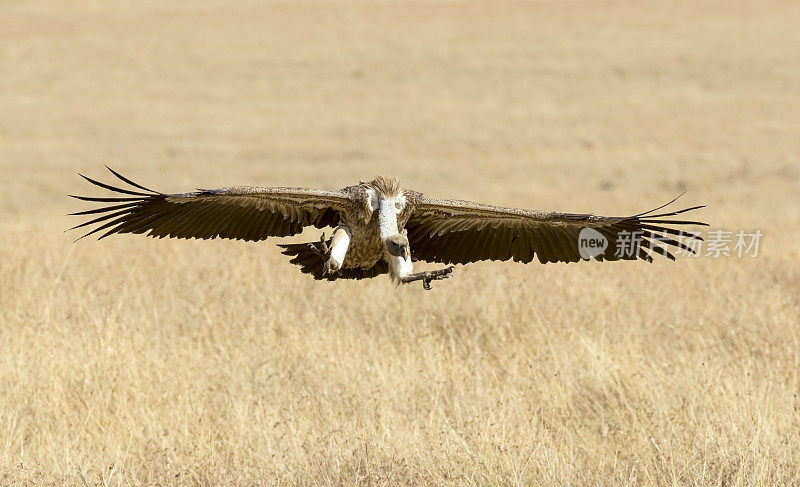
[321, 249]
[429, 276]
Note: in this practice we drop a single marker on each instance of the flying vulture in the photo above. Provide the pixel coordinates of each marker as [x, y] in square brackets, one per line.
[381, 228]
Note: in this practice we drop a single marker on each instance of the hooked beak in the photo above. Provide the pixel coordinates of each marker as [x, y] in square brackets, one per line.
[398, 247]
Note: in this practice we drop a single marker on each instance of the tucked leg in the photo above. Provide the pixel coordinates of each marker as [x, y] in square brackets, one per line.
[340, 243]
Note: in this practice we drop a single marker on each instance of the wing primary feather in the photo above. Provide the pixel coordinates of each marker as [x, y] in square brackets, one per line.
[103, 209]
[104, 200]
[141, 223]
[673, 200]
[113, 188]
[103, 227]
[100, 219]
[674, 222]
[111, 231]
[672, 231]
[642, 254]
[673, 213]
[668, 241]
[123, 178]
[659, 250]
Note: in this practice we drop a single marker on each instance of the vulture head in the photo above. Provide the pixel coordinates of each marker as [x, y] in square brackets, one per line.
[389, 200]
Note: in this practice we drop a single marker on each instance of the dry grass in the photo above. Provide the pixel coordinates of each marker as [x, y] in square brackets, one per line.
[134, 361]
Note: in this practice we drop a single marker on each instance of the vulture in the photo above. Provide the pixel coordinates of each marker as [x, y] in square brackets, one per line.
[379, 227]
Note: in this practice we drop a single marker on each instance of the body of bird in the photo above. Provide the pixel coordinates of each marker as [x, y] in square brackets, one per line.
[378, 227]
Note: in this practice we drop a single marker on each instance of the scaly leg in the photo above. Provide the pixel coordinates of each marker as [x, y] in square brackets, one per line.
[428, 276]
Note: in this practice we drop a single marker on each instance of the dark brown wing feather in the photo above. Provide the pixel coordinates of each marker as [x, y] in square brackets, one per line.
[459, 232]
[244, 213]
[311, 262]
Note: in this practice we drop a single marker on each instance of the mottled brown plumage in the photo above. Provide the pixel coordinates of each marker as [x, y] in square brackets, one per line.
[374, 222]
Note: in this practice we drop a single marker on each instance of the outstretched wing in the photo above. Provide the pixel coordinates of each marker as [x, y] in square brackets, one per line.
[459, 232]
[244, 213]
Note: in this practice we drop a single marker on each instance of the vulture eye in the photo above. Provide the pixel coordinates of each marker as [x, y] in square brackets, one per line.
[398, 205]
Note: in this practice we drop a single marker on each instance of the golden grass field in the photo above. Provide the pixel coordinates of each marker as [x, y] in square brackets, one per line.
[133, 361]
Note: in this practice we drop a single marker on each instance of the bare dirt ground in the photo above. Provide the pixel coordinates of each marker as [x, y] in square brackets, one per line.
[134, 361]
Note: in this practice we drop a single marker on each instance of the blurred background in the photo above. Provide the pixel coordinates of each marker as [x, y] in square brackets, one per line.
[137, 361]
